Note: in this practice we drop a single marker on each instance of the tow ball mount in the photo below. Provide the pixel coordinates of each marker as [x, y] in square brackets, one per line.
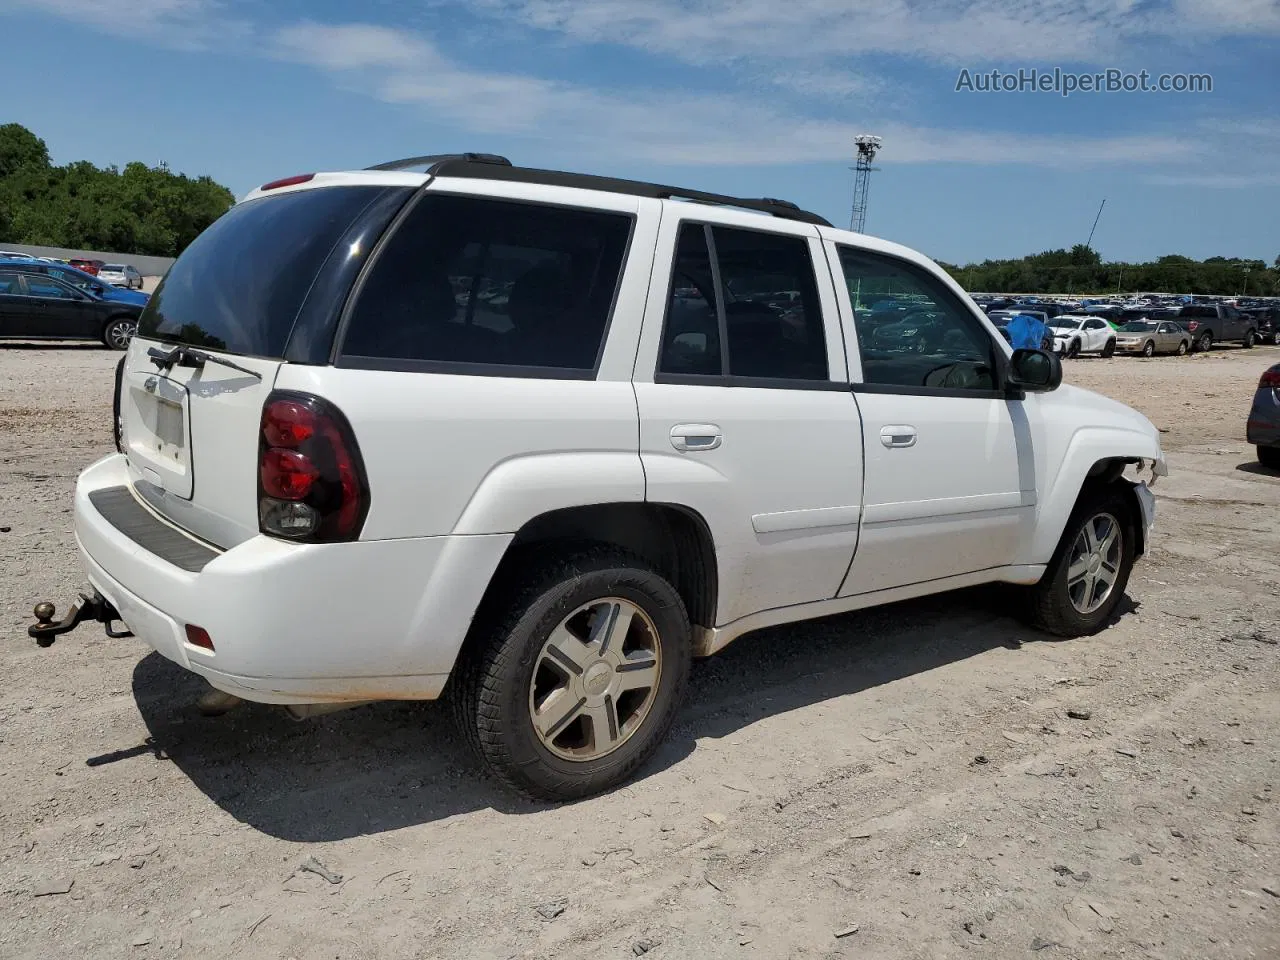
[96, 608]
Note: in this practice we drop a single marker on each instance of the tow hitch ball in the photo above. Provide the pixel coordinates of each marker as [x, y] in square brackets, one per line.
[97, 608]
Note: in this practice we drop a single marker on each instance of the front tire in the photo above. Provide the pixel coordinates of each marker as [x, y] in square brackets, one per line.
[118, 332]
[1073, 351]
[575, 679]
[1149, 349]
[1269, 457]
[1090, 569]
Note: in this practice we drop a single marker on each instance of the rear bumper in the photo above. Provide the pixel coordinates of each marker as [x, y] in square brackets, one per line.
[295, 623]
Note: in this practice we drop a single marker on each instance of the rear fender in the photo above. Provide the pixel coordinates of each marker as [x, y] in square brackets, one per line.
[515, 491]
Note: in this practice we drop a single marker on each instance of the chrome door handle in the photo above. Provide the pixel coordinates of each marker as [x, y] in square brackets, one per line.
[898, 435]
[693, 437]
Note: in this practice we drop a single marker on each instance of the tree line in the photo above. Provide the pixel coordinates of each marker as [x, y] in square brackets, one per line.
[140, 209]
[1080, 270]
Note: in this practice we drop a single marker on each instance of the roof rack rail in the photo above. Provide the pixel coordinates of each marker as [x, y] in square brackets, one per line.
[486, 167]
[437, 159]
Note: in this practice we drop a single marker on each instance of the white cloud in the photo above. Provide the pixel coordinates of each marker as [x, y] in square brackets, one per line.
[190, 24]
[663, 127]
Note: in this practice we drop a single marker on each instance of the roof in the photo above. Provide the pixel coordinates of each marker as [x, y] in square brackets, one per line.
[487, 166]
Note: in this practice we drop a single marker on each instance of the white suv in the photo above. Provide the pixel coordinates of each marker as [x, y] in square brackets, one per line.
[535, 440]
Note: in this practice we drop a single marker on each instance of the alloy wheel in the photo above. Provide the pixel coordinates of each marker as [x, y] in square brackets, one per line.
[595, 679]
[1095, 563]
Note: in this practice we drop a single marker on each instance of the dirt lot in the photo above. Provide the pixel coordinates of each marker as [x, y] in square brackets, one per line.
[899, 783]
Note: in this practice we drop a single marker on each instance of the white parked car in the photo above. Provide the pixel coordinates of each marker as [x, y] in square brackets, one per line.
[1074, 334]
[342, 481]
[121, 275]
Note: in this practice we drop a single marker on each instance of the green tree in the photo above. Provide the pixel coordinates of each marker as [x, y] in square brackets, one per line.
[139, 209]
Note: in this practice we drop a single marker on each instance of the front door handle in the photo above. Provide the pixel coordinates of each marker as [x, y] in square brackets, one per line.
[898, 435]
[693, 437]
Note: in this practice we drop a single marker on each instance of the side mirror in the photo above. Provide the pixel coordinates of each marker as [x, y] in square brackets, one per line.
[1035, 371]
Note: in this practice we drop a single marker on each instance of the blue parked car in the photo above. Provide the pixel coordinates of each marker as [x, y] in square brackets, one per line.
[77, 278]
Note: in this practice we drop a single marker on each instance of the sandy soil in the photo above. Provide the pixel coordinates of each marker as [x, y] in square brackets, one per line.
[899, 783]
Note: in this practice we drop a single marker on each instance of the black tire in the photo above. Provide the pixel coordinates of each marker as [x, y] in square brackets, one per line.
[1050, 606]
[1250, 338]
[1205, 343]
[1149, 348]
[492, 695]
[1269, 457]
[1109, 350]
[1073, 351]
[1183, 348]
[118, 332]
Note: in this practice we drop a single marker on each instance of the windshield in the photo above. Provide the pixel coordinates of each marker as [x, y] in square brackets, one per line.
[1138, 326]
[240, 285]
[1064, 323]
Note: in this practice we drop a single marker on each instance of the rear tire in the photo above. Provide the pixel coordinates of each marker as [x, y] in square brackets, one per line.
[1205, 343]
[1149, 349]
[603, 733]
[118, 332]
[1183, 348]
[1250, 338]
[1073, 598]
[1269, 457]
[1109, 350]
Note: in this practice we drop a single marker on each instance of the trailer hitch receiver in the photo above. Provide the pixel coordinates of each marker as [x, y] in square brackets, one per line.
[96, 608]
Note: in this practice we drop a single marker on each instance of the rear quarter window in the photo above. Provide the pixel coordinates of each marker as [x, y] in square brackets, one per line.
[483, 286]
[239, 287]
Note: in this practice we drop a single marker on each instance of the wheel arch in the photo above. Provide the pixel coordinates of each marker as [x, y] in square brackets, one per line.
[1096, 457]
[673, 539]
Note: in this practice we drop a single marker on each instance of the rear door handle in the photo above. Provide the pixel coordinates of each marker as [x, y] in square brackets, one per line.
[898, 435]
[692, 437]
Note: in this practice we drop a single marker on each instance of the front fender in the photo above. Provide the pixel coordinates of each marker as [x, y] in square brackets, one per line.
[1087, 447]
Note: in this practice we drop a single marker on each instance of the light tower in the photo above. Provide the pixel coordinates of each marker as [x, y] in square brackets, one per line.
[867, 149]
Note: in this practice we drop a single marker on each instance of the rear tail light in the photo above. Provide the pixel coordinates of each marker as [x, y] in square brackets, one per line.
[1191, 326]
[1270, 378]
[311, 482]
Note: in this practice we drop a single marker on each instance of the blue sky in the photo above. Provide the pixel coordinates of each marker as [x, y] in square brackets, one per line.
[750, 97]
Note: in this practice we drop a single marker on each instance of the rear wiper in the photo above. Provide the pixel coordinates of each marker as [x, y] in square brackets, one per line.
[185, 356]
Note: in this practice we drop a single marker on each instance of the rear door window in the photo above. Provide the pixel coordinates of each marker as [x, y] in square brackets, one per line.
[240, 285]
[482, 286]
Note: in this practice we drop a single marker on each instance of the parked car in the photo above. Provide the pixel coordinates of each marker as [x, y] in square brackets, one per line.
[88, 266]
[1074, 334]
[120, 275]
[1267, 320]
[1263, 427]
[1001, 320]
[551, 506]
[1210, 323]
[34, 306]
[78, 278]
[1149, 337]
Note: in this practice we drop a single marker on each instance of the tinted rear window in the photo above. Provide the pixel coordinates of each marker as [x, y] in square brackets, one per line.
[468, 285]
[240, 285]
[1210, 313]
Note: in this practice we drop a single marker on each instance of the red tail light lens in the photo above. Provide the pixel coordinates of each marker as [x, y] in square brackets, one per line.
[1191, 326]
[311, 483]
[1270, 378]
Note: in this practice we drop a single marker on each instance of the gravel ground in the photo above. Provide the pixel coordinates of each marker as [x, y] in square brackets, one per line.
[930, 780]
